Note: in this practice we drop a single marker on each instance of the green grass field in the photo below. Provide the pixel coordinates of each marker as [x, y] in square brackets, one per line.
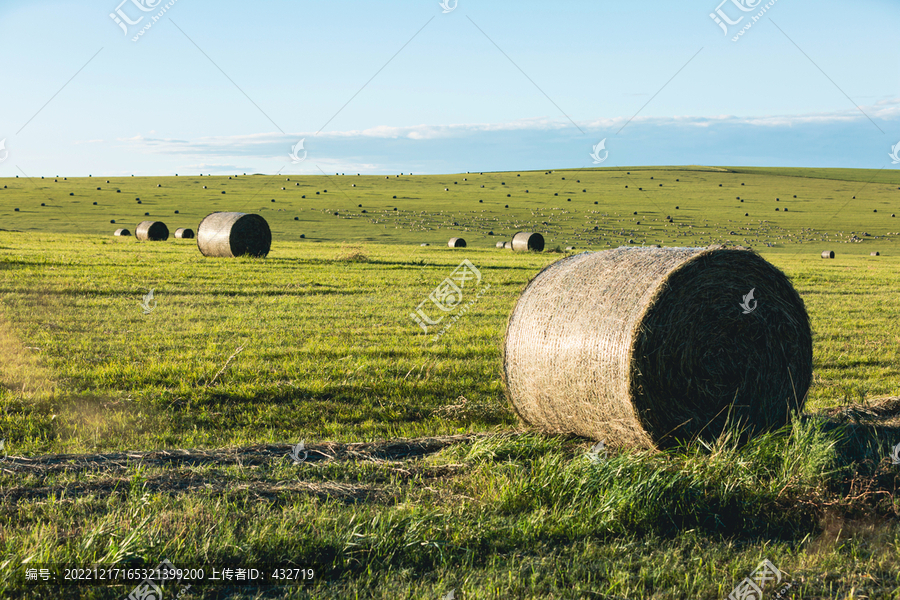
[564, 205]
[135, 437]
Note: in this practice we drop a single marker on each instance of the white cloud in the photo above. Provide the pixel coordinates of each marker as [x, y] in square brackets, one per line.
[251, 148]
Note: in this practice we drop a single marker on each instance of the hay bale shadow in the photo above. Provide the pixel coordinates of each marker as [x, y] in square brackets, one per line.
[867, 434]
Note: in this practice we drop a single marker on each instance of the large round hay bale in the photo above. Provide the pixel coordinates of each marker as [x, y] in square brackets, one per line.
[647, 347]
[229, 234]
[183, 233]
[525, 240]
[457, 243]
[151, 231]
[828, 254]
[122, 232]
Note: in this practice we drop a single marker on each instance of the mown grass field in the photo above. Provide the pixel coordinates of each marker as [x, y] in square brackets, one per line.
[134, 437]
[831, 205]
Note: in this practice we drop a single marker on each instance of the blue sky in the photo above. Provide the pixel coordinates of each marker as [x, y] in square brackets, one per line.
[389, 87]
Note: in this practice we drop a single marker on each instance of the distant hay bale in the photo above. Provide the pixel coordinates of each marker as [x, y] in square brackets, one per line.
[828, 254]
[525, 241]
[874, 254]
[501, 244]
[122, 232]
[457, 243]
[230, 234]
[184, 233]
[647, 347]
[151, 231]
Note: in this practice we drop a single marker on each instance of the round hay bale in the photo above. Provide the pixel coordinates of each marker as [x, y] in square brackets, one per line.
[151, 231]
[525, 241]
[501, 244]
[874, 254]
[183, 233]
[647, 347]
[457, 243]
[230, 234]
[122, 232]
[828, 254]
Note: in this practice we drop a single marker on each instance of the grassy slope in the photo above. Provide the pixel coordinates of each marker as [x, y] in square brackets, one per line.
[330, 353]
[425, 213]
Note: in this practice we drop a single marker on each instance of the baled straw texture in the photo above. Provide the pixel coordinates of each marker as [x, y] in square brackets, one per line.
[526, 240]
[229, 234]
[152, 231]
[122, 232]
[183, 233]
[457, 243]
[646, 347]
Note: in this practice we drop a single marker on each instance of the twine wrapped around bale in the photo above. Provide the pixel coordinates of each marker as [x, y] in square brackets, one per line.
[151, 231]
[122, 233]
[457, 243]
[828, 254]
[526, 240]
[230, 234]
[183, 233]
[647, 347]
